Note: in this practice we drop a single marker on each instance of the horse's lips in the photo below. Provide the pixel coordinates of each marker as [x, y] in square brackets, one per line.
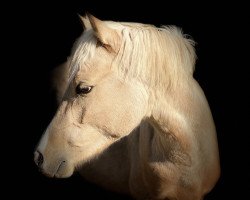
[54, 174]
[60, 165]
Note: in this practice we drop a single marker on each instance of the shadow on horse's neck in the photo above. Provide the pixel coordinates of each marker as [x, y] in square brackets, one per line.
[146, 144]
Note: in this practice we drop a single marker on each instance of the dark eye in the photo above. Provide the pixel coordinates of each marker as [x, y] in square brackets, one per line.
[80, 89]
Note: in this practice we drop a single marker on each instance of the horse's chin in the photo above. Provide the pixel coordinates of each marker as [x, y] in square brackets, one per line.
[66, 175]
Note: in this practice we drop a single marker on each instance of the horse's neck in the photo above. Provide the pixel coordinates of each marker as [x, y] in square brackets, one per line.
[170, 115]
[157, 144]
[172, 118]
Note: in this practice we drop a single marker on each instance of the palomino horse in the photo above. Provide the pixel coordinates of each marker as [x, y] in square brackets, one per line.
[131, 116]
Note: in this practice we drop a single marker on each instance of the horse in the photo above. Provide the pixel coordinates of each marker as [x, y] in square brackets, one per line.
[131, 117]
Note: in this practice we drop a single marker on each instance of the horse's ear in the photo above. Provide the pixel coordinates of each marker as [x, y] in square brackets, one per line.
[85, 22]
[106, 35]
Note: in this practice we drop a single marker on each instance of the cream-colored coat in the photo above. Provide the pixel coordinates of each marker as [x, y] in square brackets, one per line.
[145, 128]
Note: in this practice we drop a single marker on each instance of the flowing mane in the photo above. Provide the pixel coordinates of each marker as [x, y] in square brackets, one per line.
[157, 56]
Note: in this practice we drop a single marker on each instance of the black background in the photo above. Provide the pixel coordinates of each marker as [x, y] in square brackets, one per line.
[40, 36]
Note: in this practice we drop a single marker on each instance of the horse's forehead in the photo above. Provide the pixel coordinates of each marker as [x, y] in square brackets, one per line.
[91, 73]
[85, 72]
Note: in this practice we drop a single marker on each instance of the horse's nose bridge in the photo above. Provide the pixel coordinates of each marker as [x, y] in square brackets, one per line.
[43, 141]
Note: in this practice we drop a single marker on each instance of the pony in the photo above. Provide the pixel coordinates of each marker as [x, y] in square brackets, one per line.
[131, 117]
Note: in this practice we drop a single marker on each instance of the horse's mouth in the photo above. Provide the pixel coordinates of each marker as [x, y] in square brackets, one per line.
[55, 174]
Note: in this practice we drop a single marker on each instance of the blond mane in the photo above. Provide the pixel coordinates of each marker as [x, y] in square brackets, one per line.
[157, 56]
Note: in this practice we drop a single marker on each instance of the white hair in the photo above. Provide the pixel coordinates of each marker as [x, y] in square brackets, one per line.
[83, 50]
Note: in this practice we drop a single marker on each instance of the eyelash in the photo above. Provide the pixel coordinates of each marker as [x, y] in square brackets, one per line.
[105, 46]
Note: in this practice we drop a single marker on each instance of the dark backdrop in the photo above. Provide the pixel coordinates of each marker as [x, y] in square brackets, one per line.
[43, 33]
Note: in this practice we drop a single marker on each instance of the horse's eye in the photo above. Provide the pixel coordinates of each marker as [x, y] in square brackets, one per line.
[80, 89]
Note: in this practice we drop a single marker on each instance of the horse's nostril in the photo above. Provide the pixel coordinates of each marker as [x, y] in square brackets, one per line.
[38, 157]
